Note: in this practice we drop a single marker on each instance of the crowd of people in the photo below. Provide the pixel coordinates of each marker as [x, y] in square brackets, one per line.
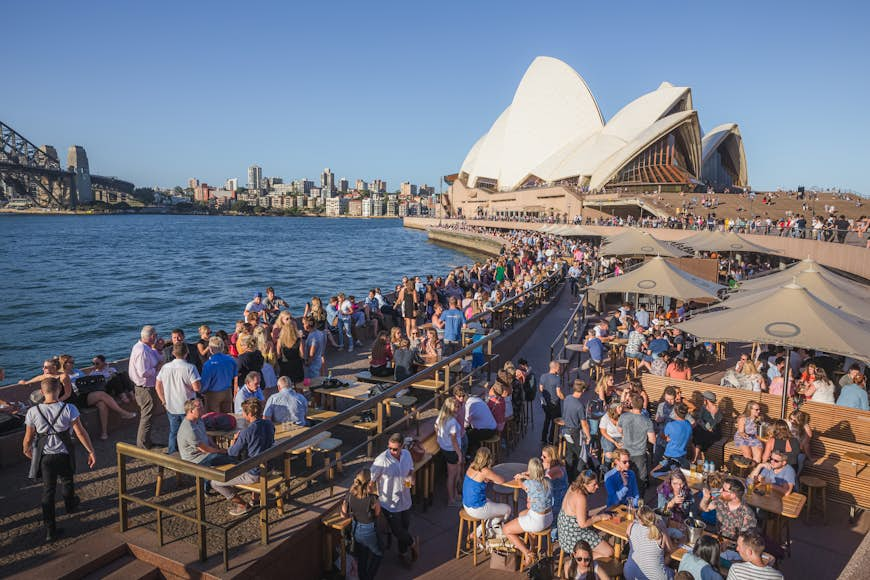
[223, 373]
[614, 435]
[810, 376]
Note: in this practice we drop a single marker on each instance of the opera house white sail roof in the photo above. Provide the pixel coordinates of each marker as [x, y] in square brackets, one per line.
[553, 132]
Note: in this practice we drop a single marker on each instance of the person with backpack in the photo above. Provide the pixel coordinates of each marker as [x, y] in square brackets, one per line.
[48, 445]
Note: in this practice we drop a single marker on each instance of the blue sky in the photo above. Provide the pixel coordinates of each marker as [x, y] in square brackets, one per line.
[158, 92]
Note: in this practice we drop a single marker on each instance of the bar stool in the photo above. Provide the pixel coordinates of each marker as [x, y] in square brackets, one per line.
[493, 443]
[539, 538]
[468, 533]
[556, 432]
[562, 450]
[596, 370]
[511, 432]
[632, 366]
[816, 489]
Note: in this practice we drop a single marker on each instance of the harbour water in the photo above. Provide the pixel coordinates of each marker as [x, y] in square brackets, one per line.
[86, 284]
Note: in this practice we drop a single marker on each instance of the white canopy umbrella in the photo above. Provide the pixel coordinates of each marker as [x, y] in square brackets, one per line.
[785, 276]
[817, 285]
[634, 242]
[717, 241]
[790, 317]
[661, 278]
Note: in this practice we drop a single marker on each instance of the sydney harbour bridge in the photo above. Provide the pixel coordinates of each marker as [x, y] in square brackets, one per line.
[37, 175]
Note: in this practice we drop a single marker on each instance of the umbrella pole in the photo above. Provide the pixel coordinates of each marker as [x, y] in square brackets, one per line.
[785, 378]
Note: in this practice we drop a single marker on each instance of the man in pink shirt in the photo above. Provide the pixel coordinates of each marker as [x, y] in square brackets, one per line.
[145, 361]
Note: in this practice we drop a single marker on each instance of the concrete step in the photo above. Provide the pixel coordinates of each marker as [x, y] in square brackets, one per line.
[135, 570]
[109, 567]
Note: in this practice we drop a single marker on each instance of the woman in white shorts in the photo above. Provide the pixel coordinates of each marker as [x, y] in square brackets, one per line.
[474, 498]
[539, 515]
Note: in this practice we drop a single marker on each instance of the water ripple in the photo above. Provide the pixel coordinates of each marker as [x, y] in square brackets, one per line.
[86, 284]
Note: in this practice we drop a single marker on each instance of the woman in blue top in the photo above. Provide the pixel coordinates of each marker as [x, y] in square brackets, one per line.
[474, 499]
[555, 472]
[539, 515]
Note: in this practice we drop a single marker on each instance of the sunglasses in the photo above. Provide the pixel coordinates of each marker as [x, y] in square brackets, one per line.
[395, 449]
[582, 558]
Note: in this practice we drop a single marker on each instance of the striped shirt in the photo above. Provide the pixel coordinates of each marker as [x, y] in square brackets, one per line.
[749, 571]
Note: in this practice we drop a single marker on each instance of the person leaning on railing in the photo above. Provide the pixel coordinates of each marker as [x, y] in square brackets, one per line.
[253, 440]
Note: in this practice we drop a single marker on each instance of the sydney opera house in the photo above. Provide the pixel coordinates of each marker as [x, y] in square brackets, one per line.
[551, 147]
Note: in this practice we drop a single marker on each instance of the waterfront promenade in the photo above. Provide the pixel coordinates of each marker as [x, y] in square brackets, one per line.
[21, 548]
[437, 526]
[850, 258]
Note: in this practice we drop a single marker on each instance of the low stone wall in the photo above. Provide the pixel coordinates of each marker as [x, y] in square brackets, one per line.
[469, 241]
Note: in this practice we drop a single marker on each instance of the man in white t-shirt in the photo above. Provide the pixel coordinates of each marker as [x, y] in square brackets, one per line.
[255, 306]
[177, 382]
[393, 474]
[345, 314]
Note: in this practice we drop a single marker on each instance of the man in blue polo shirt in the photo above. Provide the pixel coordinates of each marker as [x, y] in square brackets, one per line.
[454, 322]
[594, 347]
[253, 440]
[217, 377]
[251, 390]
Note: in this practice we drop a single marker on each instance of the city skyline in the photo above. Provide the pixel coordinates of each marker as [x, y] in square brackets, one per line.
[409, 110]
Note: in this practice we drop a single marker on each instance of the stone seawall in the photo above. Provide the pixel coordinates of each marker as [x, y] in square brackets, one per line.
[470, 241]
[478, 243]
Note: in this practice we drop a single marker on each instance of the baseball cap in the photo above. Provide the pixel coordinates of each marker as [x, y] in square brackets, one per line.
[258, 295]
[709, 395]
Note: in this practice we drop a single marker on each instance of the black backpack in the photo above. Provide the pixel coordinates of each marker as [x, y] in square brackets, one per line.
[530, 387]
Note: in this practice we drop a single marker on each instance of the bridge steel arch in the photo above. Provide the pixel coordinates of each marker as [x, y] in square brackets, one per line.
[34, 172]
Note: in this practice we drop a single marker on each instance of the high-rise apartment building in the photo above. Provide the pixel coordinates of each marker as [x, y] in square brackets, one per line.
[408, 189]
[255, 177]
[327, 182]
[192, 183]
[378, 186]
[343, 185]
[232, 184]
[361, 185]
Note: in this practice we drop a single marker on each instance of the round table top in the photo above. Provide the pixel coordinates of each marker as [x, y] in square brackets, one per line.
[507, 471]
[563, 361]
[574, 347]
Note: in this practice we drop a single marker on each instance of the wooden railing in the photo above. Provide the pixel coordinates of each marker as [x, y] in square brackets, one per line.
[126, 452]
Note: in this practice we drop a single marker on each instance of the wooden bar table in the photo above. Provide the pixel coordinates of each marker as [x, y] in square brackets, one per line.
[511, 486]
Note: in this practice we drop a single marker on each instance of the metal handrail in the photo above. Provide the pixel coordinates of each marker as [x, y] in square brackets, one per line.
[535, 292]
[574, 325]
